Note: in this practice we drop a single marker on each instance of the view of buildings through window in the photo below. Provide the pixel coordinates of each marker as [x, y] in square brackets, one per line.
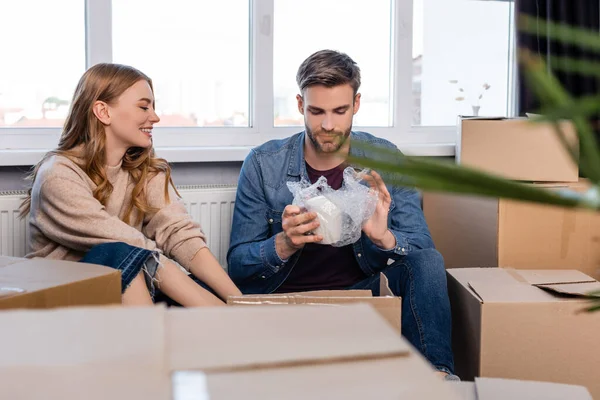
[198, 52]
[43, 56]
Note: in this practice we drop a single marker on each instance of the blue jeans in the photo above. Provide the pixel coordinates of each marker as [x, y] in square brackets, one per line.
[129, 260]
[420, 279]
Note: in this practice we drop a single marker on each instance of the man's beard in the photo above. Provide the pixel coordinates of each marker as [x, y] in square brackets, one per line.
[338, 141]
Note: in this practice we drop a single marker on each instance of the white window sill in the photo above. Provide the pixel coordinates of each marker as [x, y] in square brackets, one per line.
[27, 157]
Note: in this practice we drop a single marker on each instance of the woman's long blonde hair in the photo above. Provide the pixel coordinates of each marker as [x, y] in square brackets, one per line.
[82, 129]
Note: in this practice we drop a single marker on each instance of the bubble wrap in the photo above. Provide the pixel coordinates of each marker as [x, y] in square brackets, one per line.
[342, 212]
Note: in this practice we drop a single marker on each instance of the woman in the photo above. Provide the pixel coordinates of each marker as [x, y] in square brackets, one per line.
[104, 197]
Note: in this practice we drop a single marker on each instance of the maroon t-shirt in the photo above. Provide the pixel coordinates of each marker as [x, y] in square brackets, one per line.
[322, 266]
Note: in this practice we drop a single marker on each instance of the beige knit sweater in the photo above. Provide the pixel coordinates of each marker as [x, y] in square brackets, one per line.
[66, 220]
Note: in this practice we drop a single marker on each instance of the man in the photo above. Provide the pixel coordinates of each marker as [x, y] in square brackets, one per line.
[273, 247]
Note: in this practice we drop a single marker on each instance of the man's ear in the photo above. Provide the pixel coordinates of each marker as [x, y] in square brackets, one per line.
[102, 112]
[300, 104]
[356, 103]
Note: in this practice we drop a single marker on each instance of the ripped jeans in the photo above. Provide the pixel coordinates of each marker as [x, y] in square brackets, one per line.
[130, 261]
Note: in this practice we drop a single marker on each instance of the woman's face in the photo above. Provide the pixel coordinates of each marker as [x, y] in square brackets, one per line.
[132, 117]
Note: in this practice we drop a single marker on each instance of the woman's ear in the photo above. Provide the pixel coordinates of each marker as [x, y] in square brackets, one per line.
[102, 112]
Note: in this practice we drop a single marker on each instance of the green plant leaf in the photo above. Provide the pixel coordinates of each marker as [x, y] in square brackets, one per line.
[583, 38]
[586, 106]
[443, 176]
[594, 307]
[580, 66]
[552, 94]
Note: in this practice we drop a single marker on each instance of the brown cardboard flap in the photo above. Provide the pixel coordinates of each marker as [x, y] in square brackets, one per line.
[384, 286]
[571, 282]
[492, 292]
[296, 298]
[396, 378]
[333, 293]
[502, 389]
[310, 300]
[575, 289]
[4, 260]
[278, 335]
[388, 306]
[6, 291]
[145, 381]
[98, 336]
[465, 389]
[41, 283]
[548, 277]
[39, 273]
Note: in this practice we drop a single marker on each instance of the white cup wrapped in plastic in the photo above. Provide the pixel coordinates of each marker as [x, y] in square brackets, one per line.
[341, 212]
[330, 219]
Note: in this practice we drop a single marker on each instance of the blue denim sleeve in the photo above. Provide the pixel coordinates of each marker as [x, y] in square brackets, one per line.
[252, 250]
[407, 223]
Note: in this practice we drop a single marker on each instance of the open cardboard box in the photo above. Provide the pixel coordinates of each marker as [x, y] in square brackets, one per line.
[503, 389]
[297, 352]
[525, 324]
[516, 148]
[474, 231]
[44, 283]
[214, 353]
[387, 304]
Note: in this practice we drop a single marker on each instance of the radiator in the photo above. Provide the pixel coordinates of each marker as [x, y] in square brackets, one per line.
[209, 205]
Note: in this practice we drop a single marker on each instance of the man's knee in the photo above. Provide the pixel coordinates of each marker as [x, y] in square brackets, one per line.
[427, 257]
[427, 264]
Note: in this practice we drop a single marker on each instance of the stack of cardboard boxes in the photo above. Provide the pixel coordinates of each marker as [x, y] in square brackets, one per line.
[522, 317]
[485, 232]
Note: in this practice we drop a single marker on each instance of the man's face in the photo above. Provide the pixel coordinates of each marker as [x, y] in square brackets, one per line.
[328, 113]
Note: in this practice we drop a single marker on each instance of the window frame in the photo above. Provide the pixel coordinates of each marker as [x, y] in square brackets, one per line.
[26, 146]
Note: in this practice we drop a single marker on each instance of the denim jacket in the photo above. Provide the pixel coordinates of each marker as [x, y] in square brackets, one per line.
[262, 194]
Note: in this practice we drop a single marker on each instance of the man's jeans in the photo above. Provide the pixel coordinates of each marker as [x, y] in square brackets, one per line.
[420, 279]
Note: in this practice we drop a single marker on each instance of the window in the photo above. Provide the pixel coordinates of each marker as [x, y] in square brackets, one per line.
[196, 52]
[331, 24]
[460, 48]
[43, 55]
[224, 71]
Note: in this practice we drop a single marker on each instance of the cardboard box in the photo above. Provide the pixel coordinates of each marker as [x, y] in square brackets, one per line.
[4, 260]
[94, 353]
[43, 283]
[289, 352]
[297, 352]
[485, 232]
[387, 305]
[502, 389]
[517, 149]
[525, 324]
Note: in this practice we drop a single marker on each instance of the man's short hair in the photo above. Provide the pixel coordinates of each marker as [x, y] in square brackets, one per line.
[328, 68]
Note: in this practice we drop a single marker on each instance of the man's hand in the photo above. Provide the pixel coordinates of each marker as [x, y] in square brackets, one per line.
[297, 231]
[376, 227]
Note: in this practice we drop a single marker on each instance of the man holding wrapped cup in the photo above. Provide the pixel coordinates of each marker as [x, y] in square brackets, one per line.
[305, 220]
